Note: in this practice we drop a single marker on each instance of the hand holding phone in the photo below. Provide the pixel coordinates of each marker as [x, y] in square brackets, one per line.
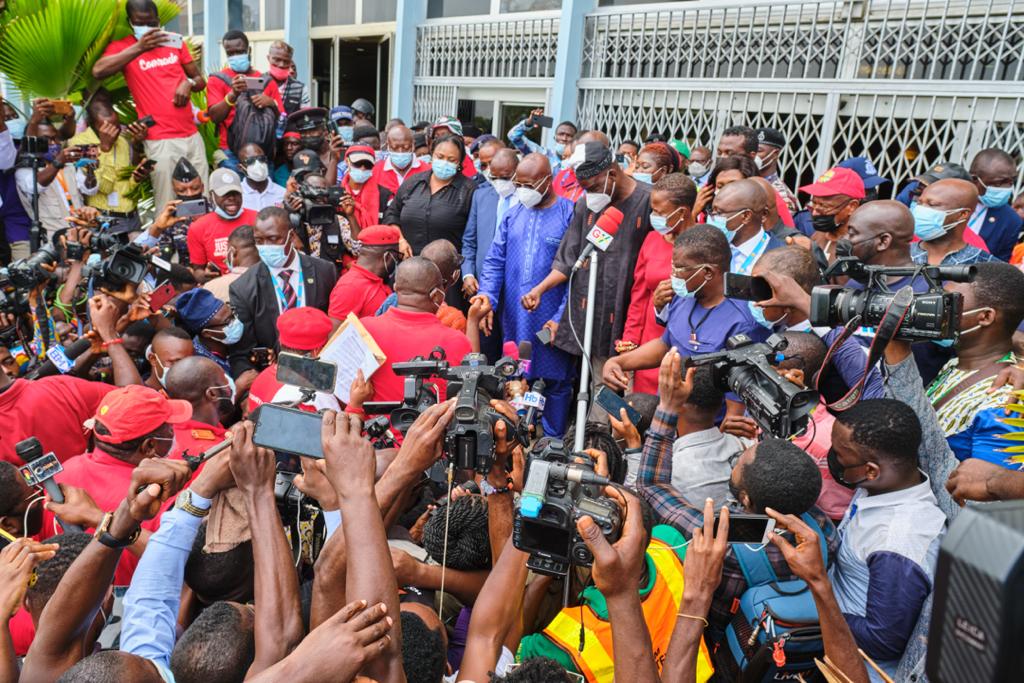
[161, 296]
[613, 404]
[748, 528]
[747, 288]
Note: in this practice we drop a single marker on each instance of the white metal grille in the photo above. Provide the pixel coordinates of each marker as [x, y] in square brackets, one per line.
[431, 101]
[522, 48]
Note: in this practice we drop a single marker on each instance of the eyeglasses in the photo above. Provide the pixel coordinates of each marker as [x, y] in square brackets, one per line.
[678, 271]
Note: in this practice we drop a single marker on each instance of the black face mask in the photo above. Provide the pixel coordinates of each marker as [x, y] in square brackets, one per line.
[824, 223]
[314, 142]
[837, 471]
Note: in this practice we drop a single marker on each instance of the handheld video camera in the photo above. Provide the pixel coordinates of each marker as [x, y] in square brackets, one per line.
[126, 265]
[557, 493]
[778, 406]
[19, 278]
[319, 205]
[932, 315]
[469, 439]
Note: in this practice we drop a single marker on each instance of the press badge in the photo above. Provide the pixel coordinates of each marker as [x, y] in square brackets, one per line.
[60, 359]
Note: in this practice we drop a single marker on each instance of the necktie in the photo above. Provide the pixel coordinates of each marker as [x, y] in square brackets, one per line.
[287, 291]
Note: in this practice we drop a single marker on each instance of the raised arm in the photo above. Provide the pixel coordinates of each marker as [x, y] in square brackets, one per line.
[17, 563]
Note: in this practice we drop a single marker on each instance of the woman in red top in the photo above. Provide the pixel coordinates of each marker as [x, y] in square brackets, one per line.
[672, 202]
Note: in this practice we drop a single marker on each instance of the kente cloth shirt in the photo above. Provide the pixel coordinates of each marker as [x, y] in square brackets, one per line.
[51, 409]
[971, 419]
[963, 257]
[153, 77]
[358, 291]
[520, 257]
[208, 238]
[614, 274]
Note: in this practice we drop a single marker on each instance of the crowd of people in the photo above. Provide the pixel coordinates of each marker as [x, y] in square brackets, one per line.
[132, 341]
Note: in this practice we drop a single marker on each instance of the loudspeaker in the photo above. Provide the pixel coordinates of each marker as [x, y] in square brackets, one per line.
[977, 627]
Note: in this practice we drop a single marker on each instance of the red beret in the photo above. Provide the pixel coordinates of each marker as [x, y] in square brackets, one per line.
[380, 235]
[304, 328]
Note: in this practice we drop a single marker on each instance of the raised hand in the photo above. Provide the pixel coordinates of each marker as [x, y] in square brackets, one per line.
[154, 482]
[617, 566]
[252, 466]
[17, 561]
[351, 459]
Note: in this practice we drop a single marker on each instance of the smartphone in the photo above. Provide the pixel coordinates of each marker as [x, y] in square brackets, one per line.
[62, 107]
[747, 528]
[747, 288]
[255, 83]
[148, 121]
[287, 430]
[193, 207]
[544, 121]
[149, 163]
[174, 40]
[613, 404]
[306, 373]
[161, 295]
[544, 336]
[261, 356]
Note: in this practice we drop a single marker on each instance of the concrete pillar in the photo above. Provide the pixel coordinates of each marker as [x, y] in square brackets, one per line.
[569, 60]
[409, 14]
[214, 28]
[296, 34]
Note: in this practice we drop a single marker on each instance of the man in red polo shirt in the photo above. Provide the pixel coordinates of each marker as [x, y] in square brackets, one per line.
[211, 392]
[362, 289]
[132, 423]
[208, 236]
[303, 331]
[401, 161]
[411, 328]
[161, 77]
[51, 409]
[226, 86]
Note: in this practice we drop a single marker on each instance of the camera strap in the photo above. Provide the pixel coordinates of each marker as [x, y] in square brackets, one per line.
[895, 313]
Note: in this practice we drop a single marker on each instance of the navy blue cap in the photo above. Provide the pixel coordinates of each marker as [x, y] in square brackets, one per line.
[196, 308]
[863, 167]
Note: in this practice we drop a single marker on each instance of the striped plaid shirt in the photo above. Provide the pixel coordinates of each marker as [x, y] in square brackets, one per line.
[654, 482]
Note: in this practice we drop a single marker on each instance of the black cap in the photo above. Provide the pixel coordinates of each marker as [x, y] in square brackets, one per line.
[364, 131]
[309, 118]
[184, 171]
[944, 171]
[306, 161]
[770, 137]
[596, 158]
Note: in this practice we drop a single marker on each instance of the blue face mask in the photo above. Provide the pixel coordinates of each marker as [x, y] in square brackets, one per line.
[359, 175]
[225, 215]
[401, 160]
[559, 149]
[232, 334]
[928, 222]
[443, 168]
[995, 197]
[239, 63]
[346, 133]
[722, 223]
[758, 314]
[680, 285]
[644, 178]
[274, 255]
[17, 128]
[140, 31]
[425, 158]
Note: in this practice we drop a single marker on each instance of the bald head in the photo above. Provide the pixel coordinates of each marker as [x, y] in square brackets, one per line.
[882, 216]
[445, 256]
[771, 209]
[191, 377]
[416, 276]
[399, 138]
[504, 163]
[742, 194]
[949, 194]
[595, 136]
[532, 168]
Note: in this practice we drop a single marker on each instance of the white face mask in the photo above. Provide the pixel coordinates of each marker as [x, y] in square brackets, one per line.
[597, 201]
[257, 171]
[531, 196]
[504, 187]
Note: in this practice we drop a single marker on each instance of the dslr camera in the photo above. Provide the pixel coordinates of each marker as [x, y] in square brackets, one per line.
[932, 315]
[778, 406]
[557, 493]
[319, 205]
[469, 439]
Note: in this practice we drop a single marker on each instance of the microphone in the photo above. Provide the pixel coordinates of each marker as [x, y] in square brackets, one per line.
[525, 356]
[72, 351]
[601, 235]
[534, 400]
[39, 470]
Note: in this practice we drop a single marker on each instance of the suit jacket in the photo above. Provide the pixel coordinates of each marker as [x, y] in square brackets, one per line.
[480, 229]
[254, 299]
[1000, 230]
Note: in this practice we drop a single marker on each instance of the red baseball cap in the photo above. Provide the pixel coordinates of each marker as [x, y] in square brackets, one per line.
[380, 235]
[304, 328]
[360, 153]
[135, 410]
[835, 181]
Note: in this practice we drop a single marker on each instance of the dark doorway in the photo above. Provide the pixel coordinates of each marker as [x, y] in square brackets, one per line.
[363, 71]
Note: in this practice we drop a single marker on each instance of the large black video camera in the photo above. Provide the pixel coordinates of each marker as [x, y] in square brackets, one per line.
[932, 315]
[319, 205]
[22, 276]
[778, 406]
[126, 265]
[557, 493]
[469, 440]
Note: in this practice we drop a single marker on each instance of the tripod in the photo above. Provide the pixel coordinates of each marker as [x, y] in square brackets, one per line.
[583, 399]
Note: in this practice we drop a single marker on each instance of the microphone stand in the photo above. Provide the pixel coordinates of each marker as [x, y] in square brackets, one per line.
[35, 228]
[583, 399]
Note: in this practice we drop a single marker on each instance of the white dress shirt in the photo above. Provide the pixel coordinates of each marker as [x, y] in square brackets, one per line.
[255, 200]
[295, 280]
[742, 263]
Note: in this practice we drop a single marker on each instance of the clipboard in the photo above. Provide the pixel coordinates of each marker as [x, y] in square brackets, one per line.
[352, 348]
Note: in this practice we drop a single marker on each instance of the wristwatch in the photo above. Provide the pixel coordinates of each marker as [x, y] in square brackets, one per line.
[184, 502]
[103, 536]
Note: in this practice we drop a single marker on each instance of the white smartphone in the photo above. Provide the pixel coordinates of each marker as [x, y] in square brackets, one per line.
[174, 40]
[751, 529]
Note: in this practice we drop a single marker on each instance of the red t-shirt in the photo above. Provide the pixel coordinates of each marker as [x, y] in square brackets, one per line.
[51, 409]
[468, 167]
[217, 90]
[402, 335]
[152, 78]
[107, 480]
[385, 175]
[266, 389]
[22, 631]
[358, 291]
[208, 238]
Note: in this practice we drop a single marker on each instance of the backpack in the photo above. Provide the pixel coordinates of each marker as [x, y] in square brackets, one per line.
[251, 124]
[774, 634]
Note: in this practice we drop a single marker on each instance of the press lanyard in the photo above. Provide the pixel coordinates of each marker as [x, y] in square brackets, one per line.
[300, 291]
[748, 263]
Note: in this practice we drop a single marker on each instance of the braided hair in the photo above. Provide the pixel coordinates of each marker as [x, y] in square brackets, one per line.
[469, 543]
